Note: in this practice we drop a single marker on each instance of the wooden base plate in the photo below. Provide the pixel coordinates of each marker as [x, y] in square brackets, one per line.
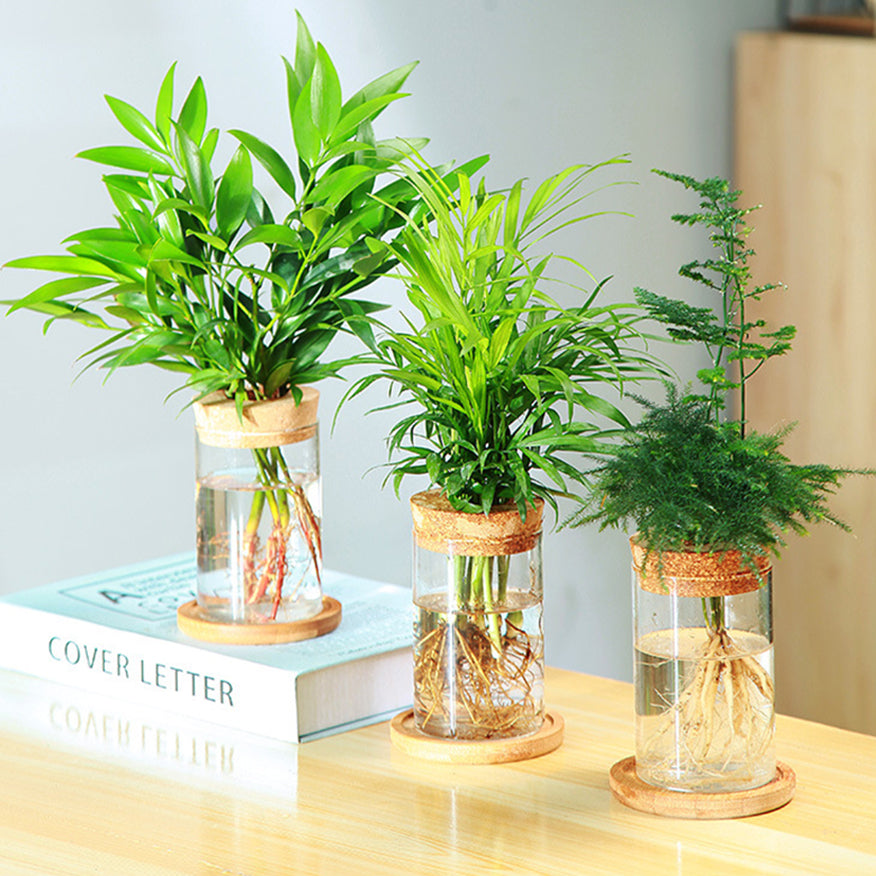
[407, 738]
[633, 792]
[191, 620]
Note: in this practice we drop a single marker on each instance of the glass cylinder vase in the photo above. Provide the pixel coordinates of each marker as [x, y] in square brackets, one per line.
[258, 510]
[478, 640]
[703, 671]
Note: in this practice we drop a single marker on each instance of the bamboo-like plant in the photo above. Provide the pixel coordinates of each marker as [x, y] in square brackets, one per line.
[200, 276]
[495, 372]
[688, 478]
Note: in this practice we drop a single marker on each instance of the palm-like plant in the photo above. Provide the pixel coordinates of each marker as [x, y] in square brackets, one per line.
[495, 368]
[494, 371]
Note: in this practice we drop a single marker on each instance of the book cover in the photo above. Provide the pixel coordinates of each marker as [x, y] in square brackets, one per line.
[115, 633]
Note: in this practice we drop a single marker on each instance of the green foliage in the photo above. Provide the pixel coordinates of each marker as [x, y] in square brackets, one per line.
[197, 275]
[684, 479]
[726, 333]
[492, 366]
[687, 483]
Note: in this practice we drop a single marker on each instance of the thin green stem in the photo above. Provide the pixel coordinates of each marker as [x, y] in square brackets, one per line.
[713, 613]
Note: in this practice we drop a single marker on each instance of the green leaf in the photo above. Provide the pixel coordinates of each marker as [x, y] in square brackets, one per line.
[208, 147]
[217, 243]
[304, 130]
[278, 377]
[63, 310]
[234, 192]
[64, 264]
[128, 314]
[315, 218]
[333, 187]
[185, 206]
[164, 105]
[349, 148]
[199, 177]
[293, 88]
[544, 193]
[270, 159]
[384, 85]
[135, 186]
[193, 115]
[397, 148]
[350, 121]
[100, 234]
[272, 234]
[135, 123]
[128, 158]
[325, 93]
[164, 251]
[366, 265]
[166, 218]
[56, 289]
[124, 252]
[305, 51]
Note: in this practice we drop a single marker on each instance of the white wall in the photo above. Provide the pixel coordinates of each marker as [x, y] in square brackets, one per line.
[96, 475]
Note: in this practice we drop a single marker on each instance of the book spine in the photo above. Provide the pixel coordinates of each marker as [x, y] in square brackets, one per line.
[167, 675]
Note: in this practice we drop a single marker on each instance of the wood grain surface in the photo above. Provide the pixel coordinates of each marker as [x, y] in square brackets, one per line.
[806, 150]
[352, 803]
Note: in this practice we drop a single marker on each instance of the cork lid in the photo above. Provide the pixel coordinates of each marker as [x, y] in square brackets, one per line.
[696, 573]
[441, 528]
[270, 423]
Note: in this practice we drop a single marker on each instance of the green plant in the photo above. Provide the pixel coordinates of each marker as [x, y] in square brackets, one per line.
[692, 480]
[494, 366]
[685, 477]
[198, 276]
[491, 372]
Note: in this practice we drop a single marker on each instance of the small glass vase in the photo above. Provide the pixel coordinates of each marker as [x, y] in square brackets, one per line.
[478, 640]
[703, 671]
[258, 510]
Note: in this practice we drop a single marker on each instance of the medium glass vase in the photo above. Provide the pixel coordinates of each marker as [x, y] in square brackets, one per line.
[478, 640]
[258, 510]
[703, 671]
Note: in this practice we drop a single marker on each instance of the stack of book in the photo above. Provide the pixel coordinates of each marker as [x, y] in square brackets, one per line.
[115, 634]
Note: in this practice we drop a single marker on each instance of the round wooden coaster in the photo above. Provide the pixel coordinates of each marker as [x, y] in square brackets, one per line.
[407, 738]
[633, 792]
[193, 623]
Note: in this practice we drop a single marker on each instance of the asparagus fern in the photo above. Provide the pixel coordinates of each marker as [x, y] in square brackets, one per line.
[688, 476]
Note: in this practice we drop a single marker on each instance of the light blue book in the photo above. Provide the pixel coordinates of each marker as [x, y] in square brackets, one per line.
[116, 634]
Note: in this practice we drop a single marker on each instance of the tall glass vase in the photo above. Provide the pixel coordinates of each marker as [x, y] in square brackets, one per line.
[703, 671]
[258, 509]
[478, 640]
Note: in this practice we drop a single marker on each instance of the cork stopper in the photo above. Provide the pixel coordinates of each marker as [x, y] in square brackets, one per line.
[441, 528]
[271, 423]
[693, 573]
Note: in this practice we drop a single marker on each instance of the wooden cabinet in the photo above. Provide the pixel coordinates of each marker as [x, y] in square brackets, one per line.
[806, 149]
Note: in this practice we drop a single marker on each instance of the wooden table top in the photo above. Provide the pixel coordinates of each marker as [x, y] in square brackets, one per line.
[88, 790]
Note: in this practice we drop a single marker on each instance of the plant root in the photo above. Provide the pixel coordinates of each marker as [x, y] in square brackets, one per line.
[724, 714]
[466, 686]
[265, 569]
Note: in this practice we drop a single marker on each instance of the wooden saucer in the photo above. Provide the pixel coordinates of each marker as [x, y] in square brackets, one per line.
[407, 738]
[191, 620]
[633, 792]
